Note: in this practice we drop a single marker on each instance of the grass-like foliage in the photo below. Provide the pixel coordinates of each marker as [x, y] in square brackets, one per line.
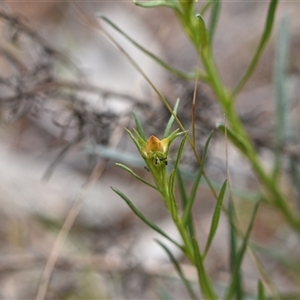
[155, 151]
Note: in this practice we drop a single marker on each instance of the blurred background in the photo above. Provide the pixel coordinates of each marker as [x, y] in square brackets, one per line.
[68, 90]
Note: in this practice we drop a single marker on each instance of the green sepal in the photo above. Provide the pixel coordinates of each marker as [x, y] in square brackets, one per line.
[138, 140]
[172, 137]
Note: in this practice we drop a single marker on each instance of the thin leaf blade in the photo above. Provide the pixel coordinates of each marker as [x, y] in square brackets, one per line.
[215, 218]
[240, 255]
[195, 186]
[172, 200]
[281, 95]
[135, 175]
[204, 281]
[172, 119]
[184, 201]
[261, 46]
[141, 216]
[139, 126]
[215, 11]
[233, 251]
[261, 291]
[158, 60]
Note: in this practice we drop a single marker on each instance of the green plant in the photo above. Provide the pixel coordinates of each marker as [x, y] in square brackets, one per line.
[155, 154]
[155, 151]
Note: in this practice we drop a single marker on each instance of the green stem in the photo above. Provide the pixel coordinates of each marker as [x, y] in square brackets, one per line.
[226, 100]
[267, 180]
[188, 246]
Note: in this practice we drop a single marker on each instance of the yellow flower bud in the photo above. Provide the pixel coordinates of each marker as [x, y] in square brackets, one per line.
[154, 144]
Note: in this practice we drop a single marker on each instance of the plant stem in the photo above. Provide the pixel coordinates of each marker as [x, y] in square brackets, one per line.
[188, 246]
[226, 100]
[186, 240]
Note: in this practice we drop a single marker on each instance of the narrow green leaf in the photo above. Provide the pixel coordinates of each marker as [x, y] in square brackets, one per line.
[182, 188]
[261, 46]
[172, 119]
[135, 175]
[140, 215]
[163, 64]
[172, 200]
[139, 126]
[187, 212]
[239, 257]
[215, 219]
[135, 140]
[156, 3]
[214, 16]
[114, 154]
[180, 152]
[204, 281]
[295, 176]
[173, 207]
[233, 251]
[184, 202]
[179, 271]
[281, 96]
[261, 291]
[280, 73]
[203, 38]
